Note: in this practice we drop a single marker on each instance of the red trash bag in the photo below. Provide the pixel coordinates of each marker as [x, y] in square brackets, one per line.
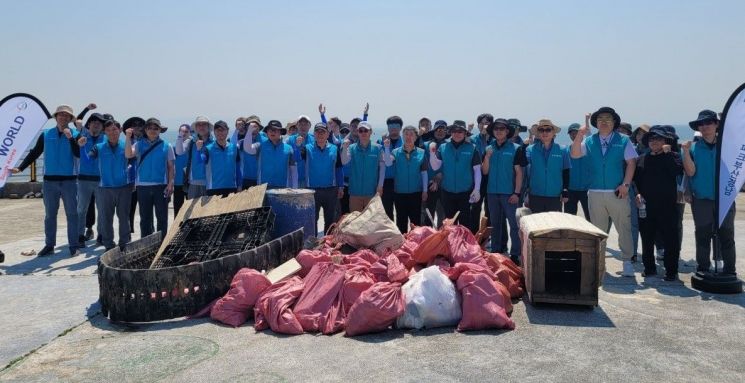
[463, 246]
[308, 258]
[356, 280]
[273, 307]
[405, 253]
[419, 234]
[434, 245]
[235, 307]
[507, 273]
[484, 306]
[362, 257]
[396, 270]
[459, 268]
[318, 309]
[376, 309]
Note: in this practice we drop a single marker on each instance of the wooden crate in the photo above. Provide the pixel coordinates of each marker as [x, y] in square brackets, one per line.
[563, 258]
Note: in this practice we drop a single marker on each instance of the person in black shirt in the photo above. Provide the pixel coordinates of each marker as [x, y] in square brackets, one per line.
[656, 182]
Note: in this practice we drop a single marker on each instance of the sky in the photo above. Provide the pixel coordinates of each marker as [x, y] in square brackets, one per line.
[657, 62]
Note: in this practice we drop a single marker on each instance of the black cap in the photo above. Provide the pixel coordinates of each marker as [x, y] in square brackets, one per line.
[344, 128]
[609, 110]
[274, 124]
[517, 125]
[704, 116]
[96, 117]
[321, 126]
[133, 121]
[500, 121]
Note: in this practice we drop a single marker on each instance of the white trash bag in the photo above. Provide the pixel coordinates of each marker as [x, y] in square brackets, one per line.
[431, 301]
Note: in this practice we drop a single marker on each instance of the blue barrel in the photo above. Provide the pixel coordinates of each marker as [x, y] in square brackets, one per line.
[293, 209]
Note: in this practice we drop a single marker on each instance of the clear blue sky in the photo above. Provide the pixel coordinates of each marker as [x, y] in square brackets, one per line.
[654, 61]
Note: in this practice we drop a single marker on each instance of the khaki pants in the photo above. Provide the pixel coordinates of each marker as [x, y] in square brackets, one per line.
[605, 205]
[358, 203]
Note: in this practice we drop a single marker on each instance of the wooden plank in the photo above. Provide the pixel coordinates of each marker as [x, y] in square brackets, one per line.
[589, 277]
[582, 301]
[539, 271]
[601, 261]
[566, 244]
[283, 271]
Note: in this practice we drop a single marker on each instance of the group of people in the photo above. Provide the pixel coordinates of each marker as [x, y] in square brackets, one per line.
[638, 181]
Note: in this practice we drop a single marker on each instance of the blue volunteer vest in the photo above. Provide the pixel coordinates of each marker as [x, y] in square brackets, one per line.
[58, 158]
[292, 140]
[274, 165]
[198, 169]
[502, 169]
[545, 172]
[113, 165]
[180, 165]
[702, 183]
[407, 172]
[606, 170]
[89, 166]
[320, 165]
[249, 162]
[457, 171]
[390, 171]
[221, 166]
[480, 143]
[580, 174]
[154, 167]
[363, 177]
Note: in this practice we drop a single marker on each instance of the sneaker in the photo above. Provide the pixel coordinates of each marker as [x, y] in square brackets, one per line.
[671, 278]
[88, 234]
[628, 269]
[74, 252]
[650, 273]
[46, 251]
[660, 254]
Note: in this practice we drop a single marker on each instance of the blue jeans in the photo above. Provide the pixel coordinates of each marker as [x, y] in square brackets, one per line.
[67, 191]
[86, 189]
[500, 208]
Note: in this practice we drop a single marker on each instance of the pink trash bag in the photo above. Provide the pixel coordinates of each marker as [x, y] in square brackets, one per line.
[308, 258]
[356, 280]
[319, 308]
[376, 309]
[273, 307]
[235, 307]
[484, 305]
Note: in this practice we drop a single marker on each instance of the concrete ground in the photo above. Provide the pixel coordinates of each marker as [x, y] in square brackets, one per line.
[643, 330]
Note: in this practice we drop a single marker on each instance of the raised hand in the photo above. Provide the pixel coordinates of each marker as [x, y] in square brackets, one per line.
[128, 133]
[489, 152]
[299, 141]
[686, 146]
[200, 143]
[67, 132]
[92, 106]
[666, 148]
[82, 141]
[367, 107]
[321, 108]
[432, 147]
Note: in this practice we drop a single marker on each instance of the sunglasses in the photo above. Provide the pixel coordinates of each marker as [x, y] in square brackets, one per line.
[545, 130]
[152, 127]
[359, 130]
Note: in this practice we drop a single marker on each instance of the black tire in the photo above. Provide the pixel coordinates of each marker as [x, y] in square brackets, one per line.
[716, 284]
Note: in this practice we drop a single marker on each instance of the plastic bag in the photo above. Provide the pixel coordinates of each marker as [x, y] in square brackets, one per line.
[464, 247]
[273, 307]
[396, 270]
[419, 234]
[308, 258]
[371, 229]
[319, 307]
[484, 306]
[434, 245]
[431, 301]
[235, 307]
[376, 309]
[507, 273]
[362, 257]
[356, 280]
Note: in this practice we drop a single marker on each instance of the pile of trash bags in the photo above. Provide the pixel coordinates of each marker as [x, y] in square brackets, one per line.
[435, 278]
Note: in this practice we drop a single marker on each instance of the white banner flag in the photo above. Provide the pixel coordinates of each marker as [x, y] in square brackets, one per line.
[21, 117]
[731, 151]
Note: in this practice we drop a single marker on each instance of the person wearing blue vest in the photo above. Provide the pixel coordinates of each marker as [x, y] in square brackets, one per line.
[439, 136]
[394, 124]
[482, 140]
[223, 161]
[114, 188]
[137, 124]
[410, 165]
[249, 162]
[196, 172]
[579, 179]
[323, 173]
[699, 161]
[303, 127]
[276, 160]
[503, 162]
[549, 170]
[367, 168]
[179, 194]
[461, 174]
[58, 145]
[154, 182]
[88, 175]
[613, 160]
